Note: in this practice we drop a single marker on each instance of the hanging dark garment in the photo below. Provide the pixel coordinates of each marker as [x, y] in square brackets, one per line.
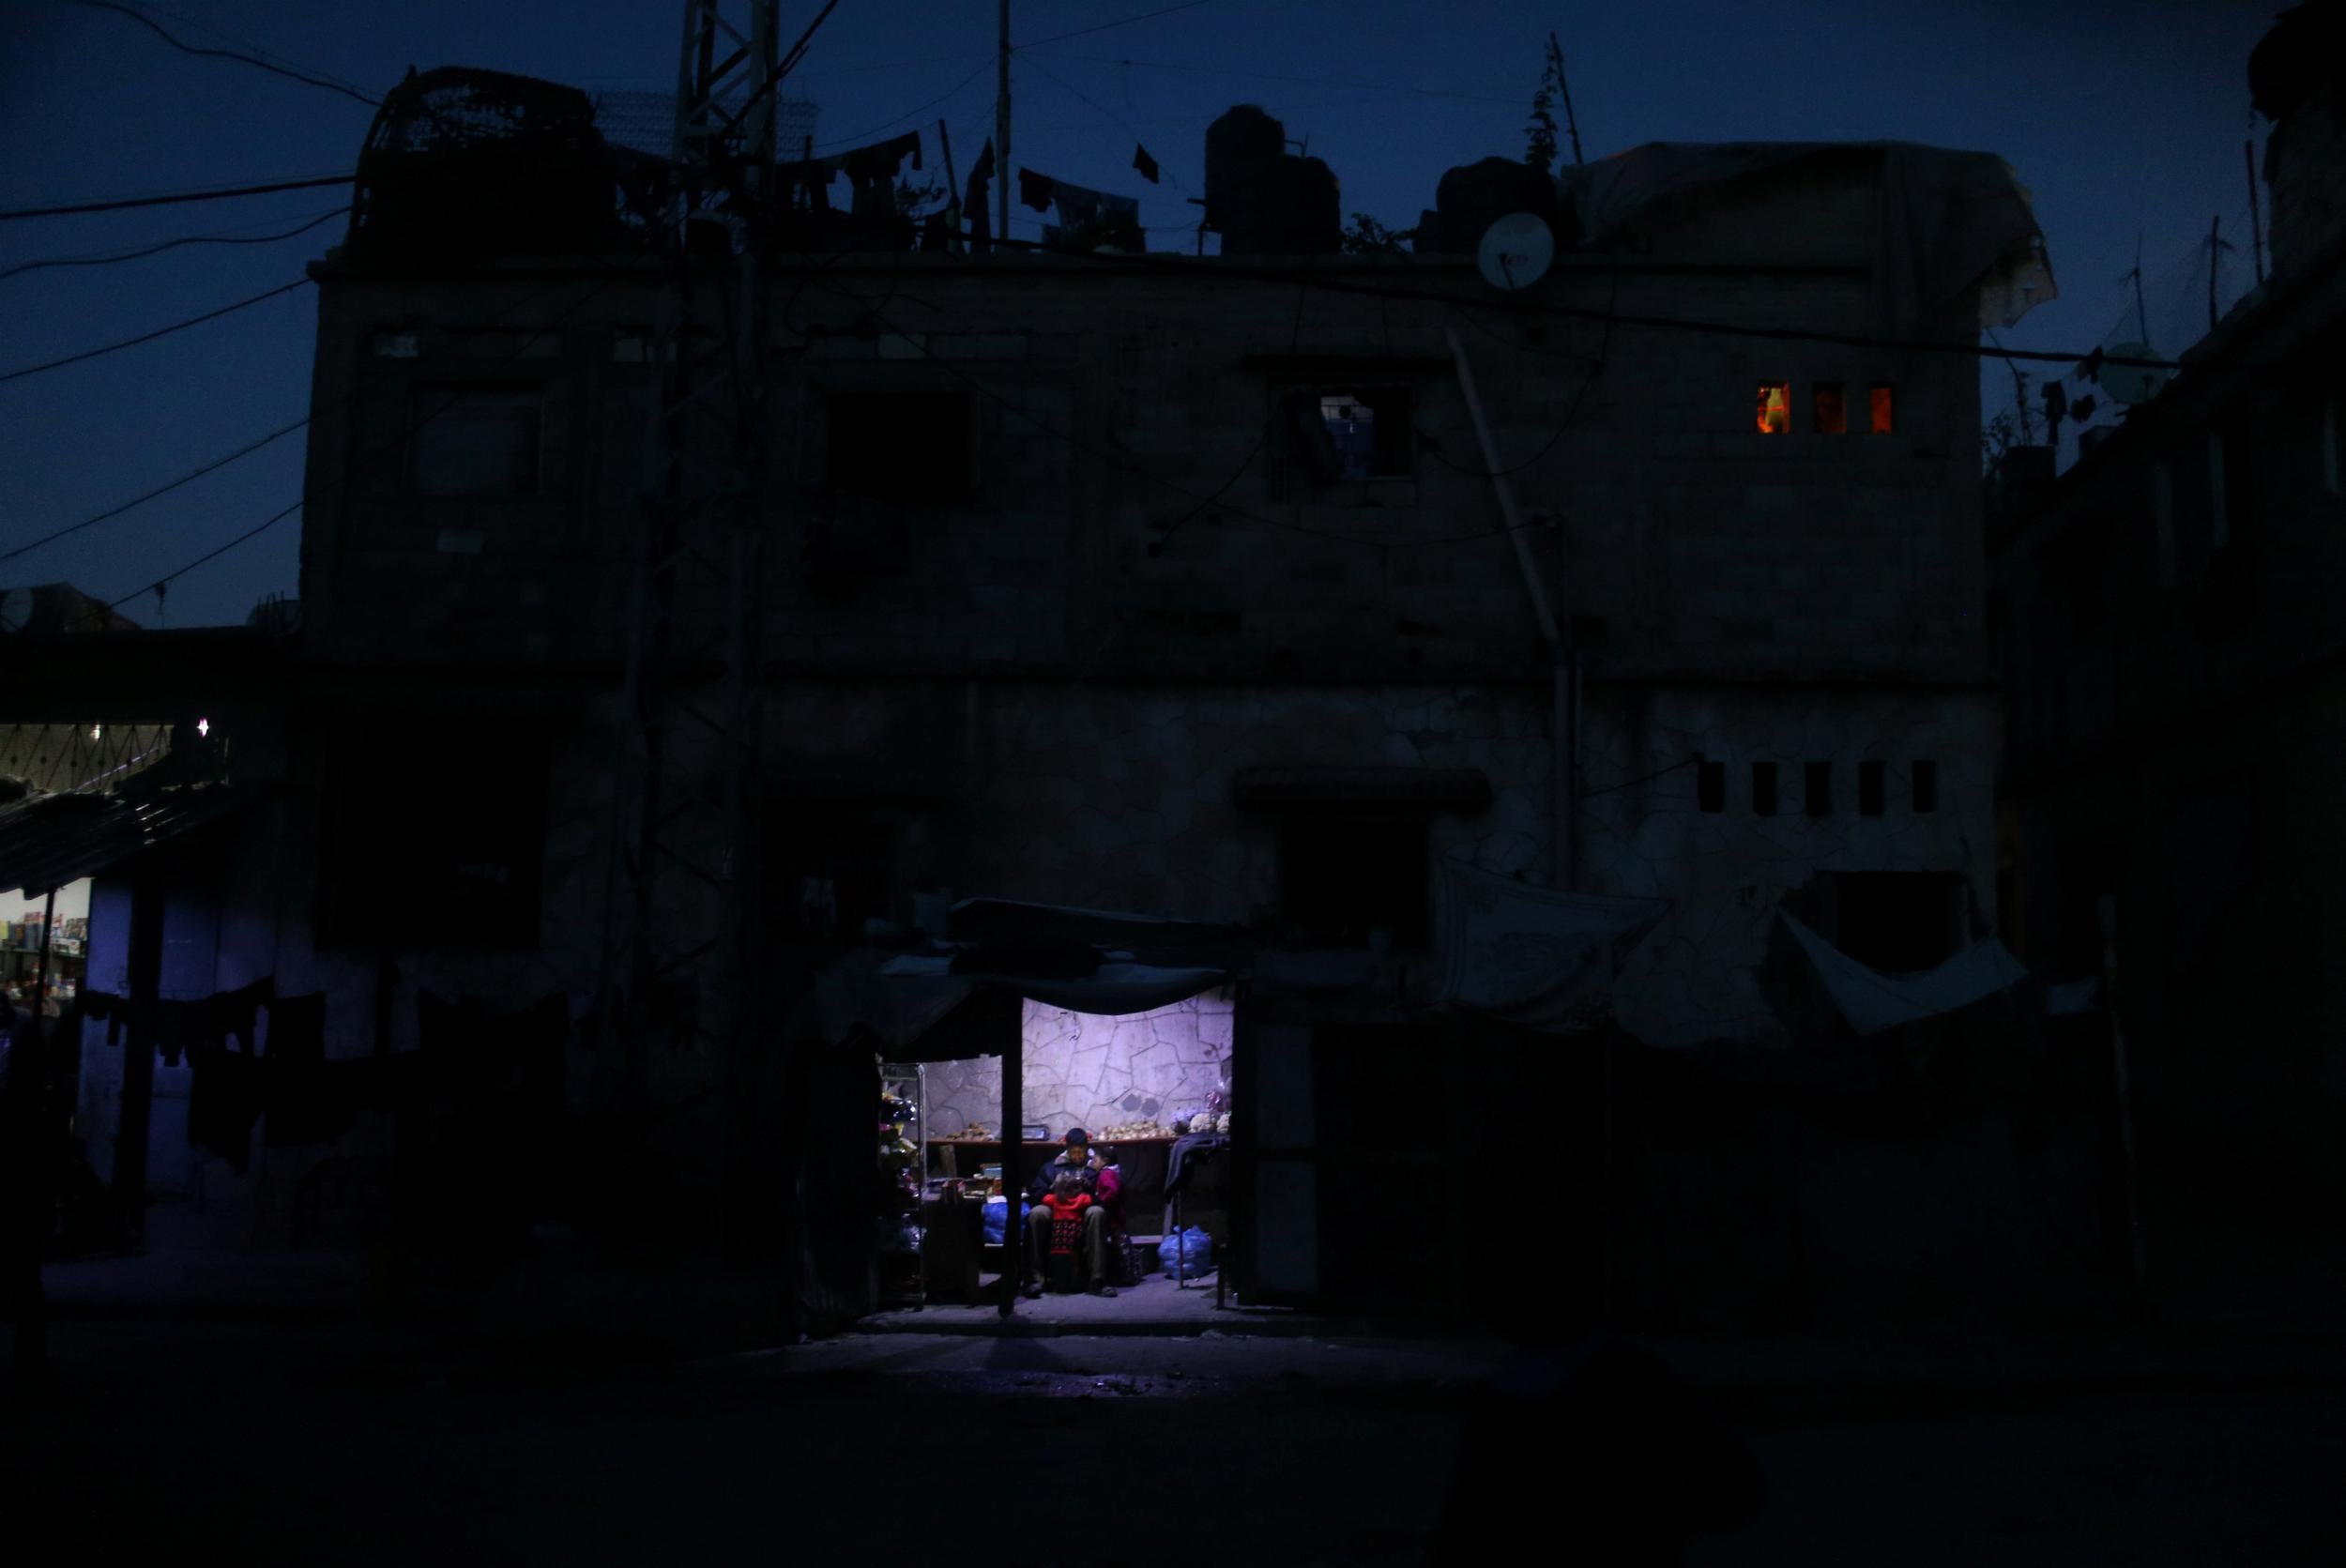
[1035, 189]
[113, 1009]
[310, 1100]
[1187, 1154]
[226, 1015]
[1147, 165]
[224, 1102]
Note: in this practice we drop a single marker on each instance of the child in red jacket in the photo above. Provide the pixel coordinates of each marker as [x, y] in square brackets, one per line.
[1067, 1201]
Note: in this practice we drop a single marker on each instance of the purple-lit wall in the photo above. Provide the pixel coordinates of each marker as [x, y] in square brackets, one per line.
[1086, 1070]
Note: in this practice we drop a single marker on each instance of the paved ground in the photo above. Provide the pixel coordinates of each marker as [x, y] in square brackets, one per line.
[299, 1443]
[252, 1407]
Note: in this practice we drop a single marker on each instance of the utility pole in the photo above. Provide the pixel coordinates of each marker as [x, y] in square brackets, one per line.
[683, 916]
[1556, 59]
[1001, 137]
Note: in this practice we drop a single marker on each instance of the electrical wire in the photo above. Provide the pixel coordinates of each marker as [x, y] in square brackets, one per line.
[1596, 372]
[159, 583]
[1119, 119]
[1223, 269]
[126, 203]
[266, 55]
[158, 586]
[181, 44]
[950, 93]
[220, 238]
[1125, 22]
[25, 370]
[1119, 461]
[1631, 784]
[1391, 89]
[193, 473]
[1295, 337]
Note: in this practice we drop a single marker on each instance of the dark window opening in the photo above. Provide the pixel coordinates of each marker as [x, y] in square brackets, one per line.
[1880, 408]
[2234, 481]
[1764, 788]
[901, 446]
[1775, 407]
[1711, 787]
[1358, 433]
[1925, 785]
[1829, 409]
[827, 874]
[1344, 879]
[407, 863]
[1869, 788]
[478, 443]
[1817, 789]
[1899, 921]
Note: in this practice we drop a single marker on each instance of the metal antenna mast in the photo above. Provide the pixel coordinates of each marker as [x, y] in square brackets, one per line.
[684, 911]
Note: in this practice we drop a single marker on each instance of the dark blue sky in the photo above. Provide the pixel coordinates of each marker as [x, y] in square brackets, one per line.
[2123, 118]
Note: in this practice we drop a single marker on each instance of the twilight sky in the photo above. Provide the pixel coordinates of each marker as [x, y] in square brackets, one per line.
[2124, 117]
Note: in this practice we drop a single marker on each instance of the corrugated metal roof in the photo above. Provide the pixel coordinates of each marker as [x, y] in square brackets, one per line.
[56, 839]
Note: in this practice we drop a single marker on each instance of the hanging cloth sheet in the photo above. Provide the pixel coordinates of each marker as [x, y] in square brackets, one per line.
[1873, 1001]
[1536, 958]
[1087, 219]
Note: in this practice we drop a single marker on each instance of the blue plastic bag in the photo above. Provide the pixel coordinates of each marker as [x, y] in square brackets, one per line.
[1195, 1254]
[996, 1219]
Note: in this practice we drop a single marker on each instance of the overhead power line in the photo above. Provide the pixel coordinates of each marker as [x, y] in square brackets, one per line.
[23, 372]
[173, 245]
[207, 557]
[156, 584]
[1395, 89]
[240, 56]
[126, 203]
[1105, 26]
[1223, 269]
[165, 489]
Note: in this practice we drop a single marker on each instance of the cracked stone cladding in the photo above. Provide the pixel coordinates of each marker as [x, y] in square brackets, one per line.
[1697, 978]
[1084, 1070]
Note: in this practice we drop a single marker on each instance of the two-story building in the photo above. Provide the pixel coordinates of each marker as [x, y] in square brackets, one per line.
[1185, 586]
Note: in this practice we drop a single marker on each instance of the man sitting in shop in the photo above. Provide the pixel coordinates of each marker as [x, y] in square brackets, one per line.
[1095, 1182]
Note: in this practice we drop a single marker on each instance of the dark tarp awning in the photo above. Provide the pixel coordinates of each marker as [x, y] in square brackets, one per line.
[52, 839]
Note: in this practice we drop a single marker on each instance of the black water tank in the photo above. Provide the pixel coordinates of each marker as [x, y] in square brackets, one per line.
[1261, 201]
[1241, 137]
[1473, 196]
[1286, 208]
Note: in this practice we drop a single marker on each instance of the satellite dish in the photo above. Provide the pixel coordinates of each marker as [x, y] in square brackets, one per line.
[1515, 251]
[2130, 383]
[16, 609]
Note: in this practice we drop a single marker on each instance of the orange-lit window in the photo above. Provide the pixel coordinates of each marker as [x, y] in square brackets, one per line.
[1881, 409]
[1775, 407]
[1829, 409]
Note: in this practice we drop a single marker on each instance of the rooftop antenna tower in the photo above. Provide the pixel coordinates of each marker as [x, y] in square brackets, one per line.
[682, 911]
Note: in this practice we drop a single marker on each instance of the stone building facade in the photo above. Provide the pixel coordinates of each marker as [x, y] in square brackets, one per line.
[1054, 565]
[1166, 585]
[2168, 643]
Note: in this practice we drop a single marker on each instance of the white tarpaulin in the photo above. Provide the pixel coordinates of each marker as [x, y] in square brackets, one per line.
[1950, 221]
[1537, 958]
[1114, 990]
[1873, 1001]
